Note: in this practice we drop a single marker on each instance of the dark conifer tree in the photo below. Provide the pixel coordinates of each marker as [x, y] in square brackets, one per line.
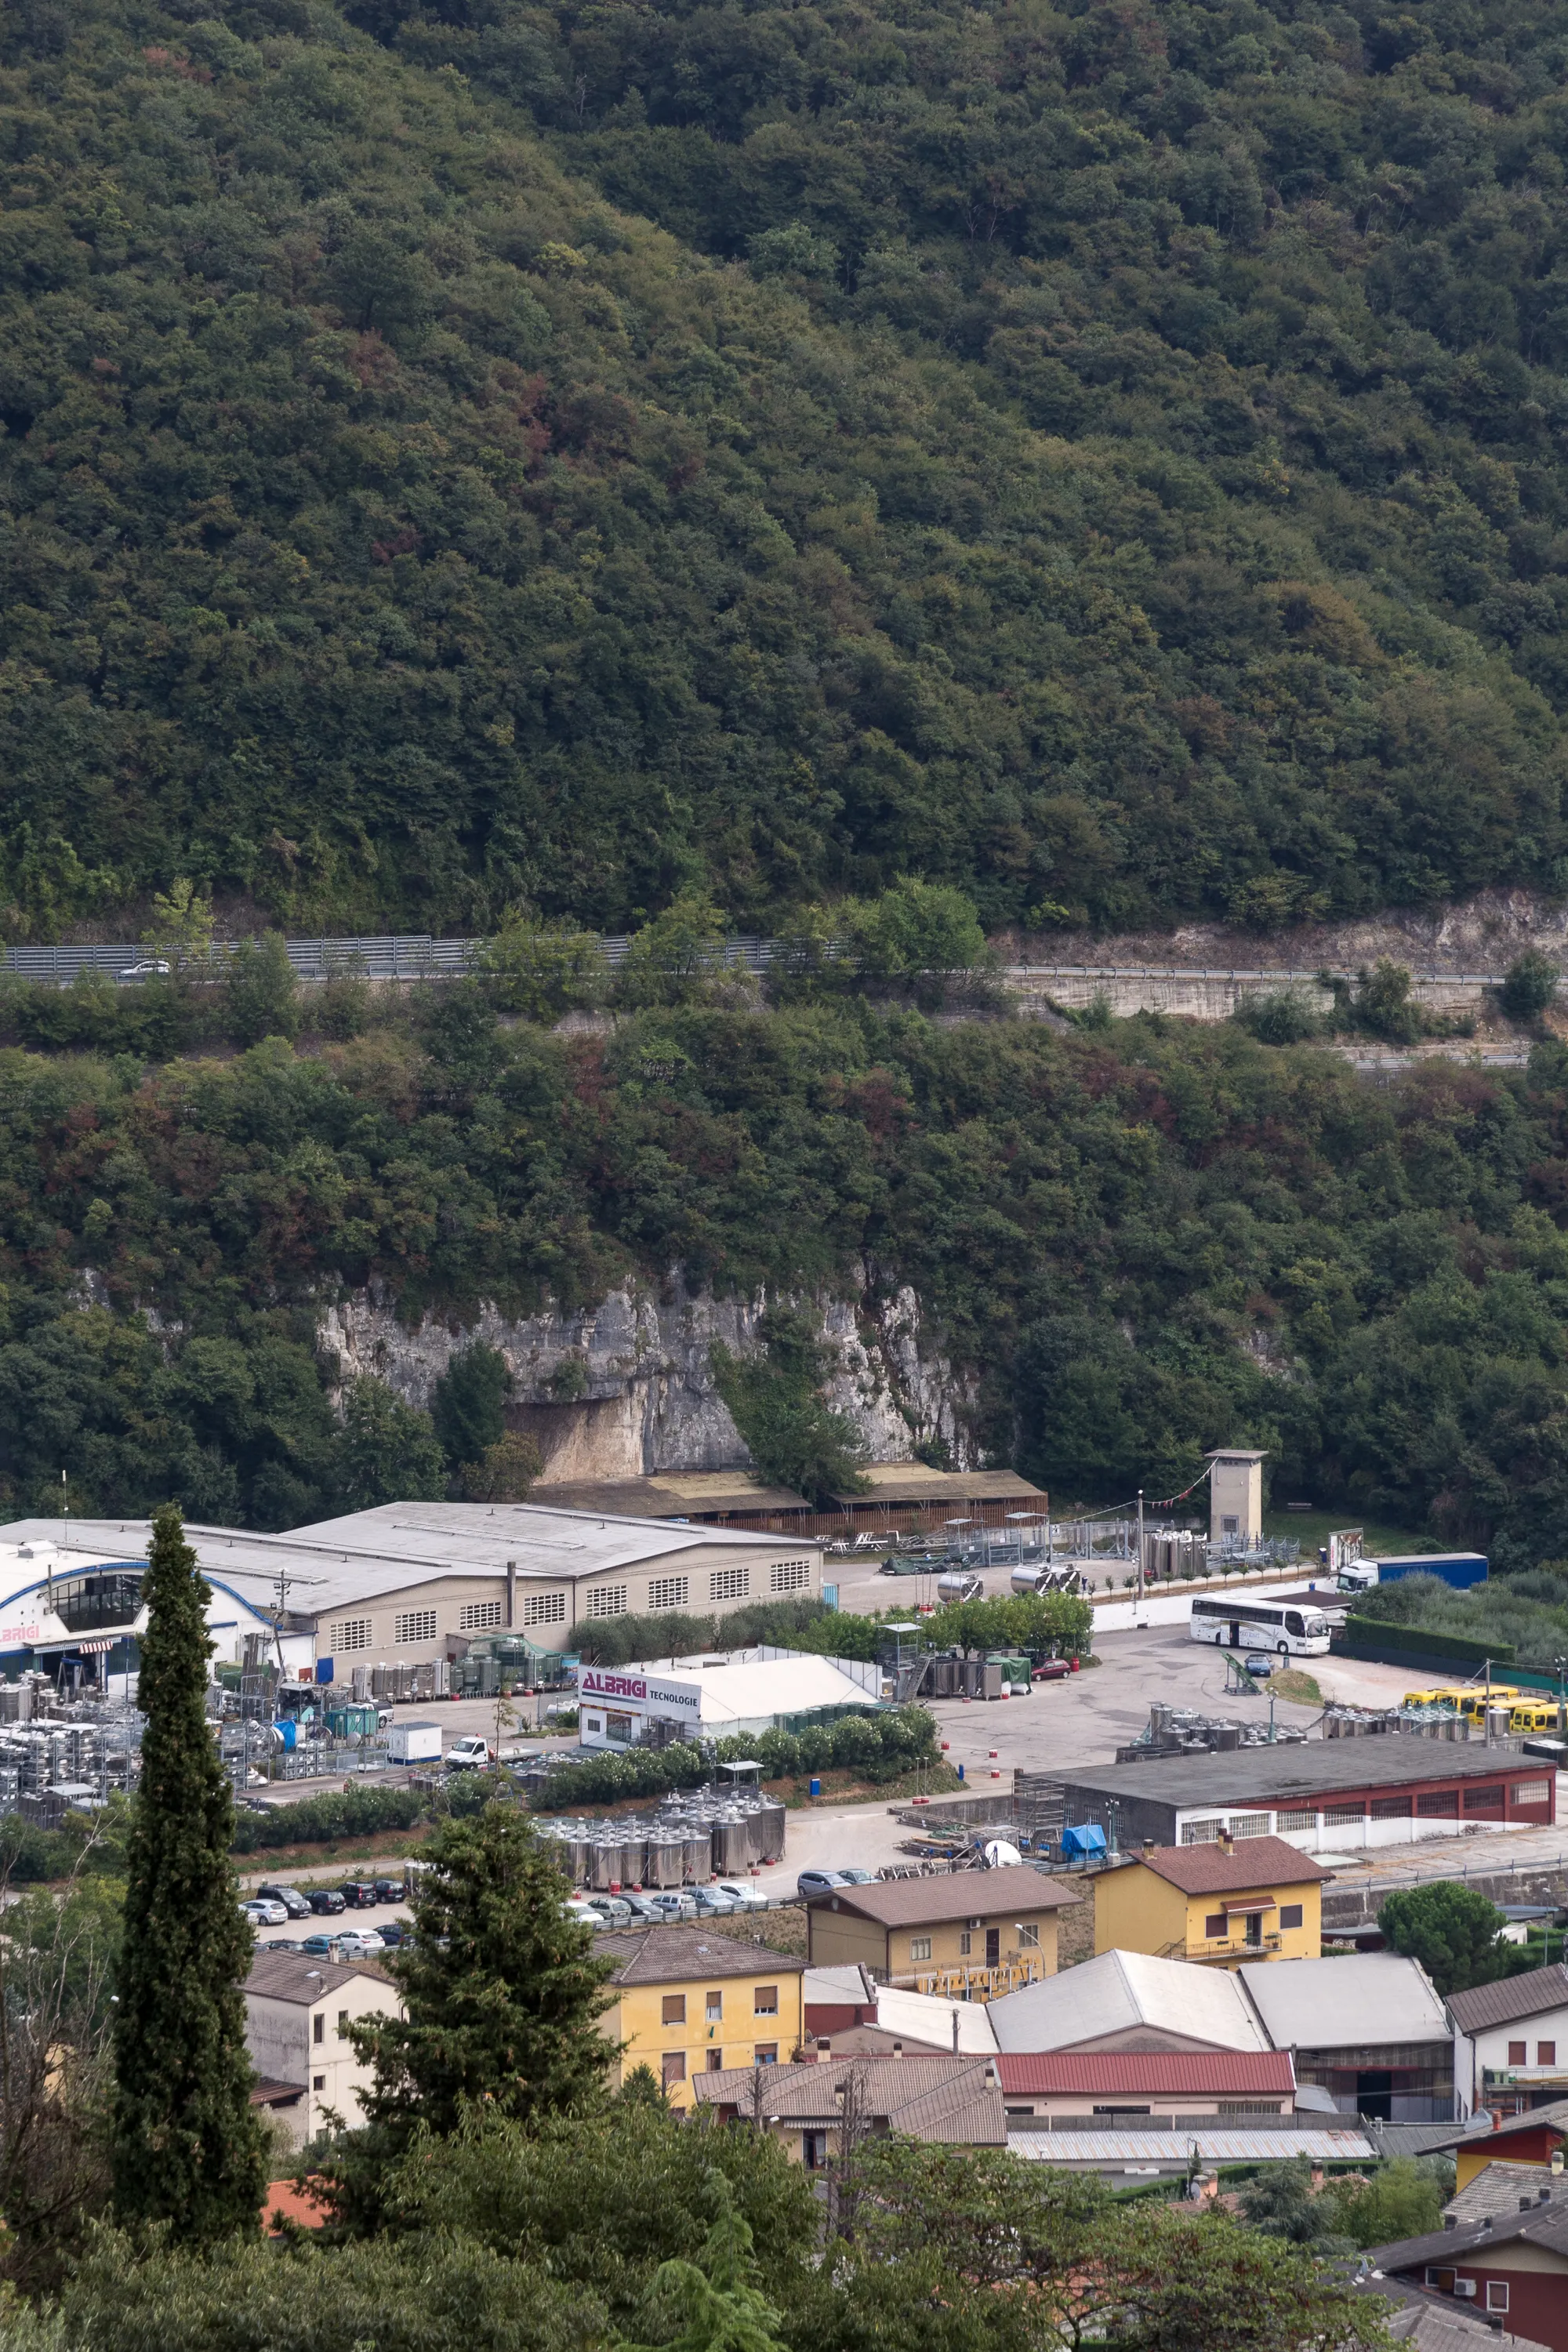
[188, 2146]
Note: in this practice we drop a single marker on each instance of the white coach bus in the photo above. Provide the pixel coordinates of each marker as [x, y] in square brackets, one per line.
[1237, 1621]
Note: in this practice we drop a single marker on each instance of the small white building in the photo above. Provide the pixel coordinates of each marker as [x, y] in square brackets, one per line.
[71, 1605]
[738, 1694]
[296, 2014]
[1511, 2042]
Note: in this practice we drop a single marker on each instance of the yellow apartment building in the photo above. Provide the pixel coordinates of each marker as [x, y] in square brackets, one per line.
[1255, 1899]
[688, 2001]
[977, 1934]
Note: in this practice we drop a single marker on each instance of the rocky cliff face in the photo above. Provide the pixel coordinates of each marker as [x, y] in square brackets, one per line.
[625, 1388]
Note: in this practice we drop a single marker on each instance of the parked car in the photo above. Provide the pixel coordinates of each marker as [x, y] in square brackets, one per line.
[857, 1877]
[266, 1915]
[326, 1899]
[585, 1915]
[613, 1907]
[713, 1902]
[744, 1894]
[1259, 1666]
[818, 1882]
[390, 1890]
[470, 1755]
[361, 1943]
[279, 1944]
[360, 1895]
[1051, 1670]
[291, 1899]
[675, 1906]
[644, 1909]
[395, 1934]
[322, 1947]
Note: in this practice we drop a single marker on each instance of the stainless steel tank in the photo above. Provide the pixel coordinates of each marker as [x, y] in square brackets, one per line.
[633, 1854]
[698, 1843]
[732, 1843]
[665, 1864]
[771, 1819]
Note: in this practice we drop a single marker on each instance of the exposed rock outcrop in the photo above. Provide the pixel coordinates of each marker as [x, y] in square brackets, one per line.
[627, 1387]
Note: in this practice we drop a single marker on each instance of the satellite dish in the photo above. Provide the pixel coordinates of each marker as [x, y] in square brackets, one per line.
[1000, 1855]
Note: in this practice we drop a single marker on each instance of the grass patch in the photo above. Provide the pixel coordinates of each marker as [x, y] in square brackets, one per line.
[1312, 1529]
[1294, 1685]
[780, 1929]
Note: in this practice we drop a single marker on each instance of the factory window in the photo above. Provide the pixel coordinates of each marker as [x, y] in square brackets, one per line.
[789, 1575]
[318, 2027]
[608, 1600]
[354, 1633]
[729, 1584]
[1530, 1792]
[1300, 1817]
[674, 2009]
[1248, 1825]
[1341, 1816]
[765, 2000]
[920, 1947]
[1516, 2053]
[1391, 1808]
[1483, 1800]
[1496, 2295]
[475, 1616]
[1546, 2054]
[669, 1592]
[1290, 1914]
[1201, 1832]
[1438, 1805]
[414, 1625]
[620, 1726]
[1028, 1937]
[1214, 1924]
[674, 2068]
[544, 1609]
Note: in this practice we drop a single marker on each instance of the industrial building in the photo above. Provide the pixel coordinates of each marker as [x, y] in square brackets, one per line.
[737, 1694]
[1320, 1795]
[1367, 2029]
[947, 2101]
[70, 1605]
[902, 1494]
[406, 1583]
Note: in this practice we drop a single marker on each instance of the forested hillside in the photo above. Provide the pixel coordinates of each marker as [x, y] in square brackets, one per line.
[1142, 1242]
[1109, 458]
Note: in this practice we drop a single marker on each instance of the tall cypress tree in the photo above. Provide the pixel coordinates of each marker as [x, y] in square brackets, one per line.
[188, 2146]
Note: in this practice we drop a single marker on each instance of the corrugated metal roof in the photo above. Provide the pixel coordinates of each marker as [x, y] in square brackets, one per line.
[1360, 1999]
[1512, 1997]
[1118, 1992]
[1266, 1776]
[1174, 2147]
[952, 2100]
[1170, 2072]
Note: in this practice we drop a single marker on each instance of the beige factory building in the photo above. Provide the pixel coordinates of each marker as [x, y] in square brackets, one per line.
[395, 1585]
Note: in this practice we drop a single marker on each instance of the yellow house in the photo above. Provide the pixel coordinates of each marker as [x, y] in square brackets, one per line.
[977, 1934]
[1258, 1899]
[688, 2001]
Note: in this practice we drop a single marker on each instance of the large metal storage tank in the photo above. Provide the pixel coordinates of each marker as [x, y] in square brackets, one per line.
[633, 1854]
[771, 1819]
[665, 1865]
[699, 1854]
[732, 1843]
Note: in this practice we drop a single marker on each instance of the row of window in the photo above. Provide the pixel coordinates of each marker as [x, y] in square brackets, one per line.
[1217, 1925]
[1436, 1804]
[1545, 2053]
[763, 2053]
[765, 2003]
[1029, 1941]
[416, 1626]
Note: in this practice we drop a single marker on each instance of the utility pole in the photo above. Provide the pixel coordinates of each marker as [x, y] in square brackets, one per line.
[1139, 1547]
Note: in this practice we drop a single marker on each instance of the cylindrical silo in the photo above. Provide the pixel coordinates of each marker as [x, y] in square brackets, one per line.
[634, 1854]
[665, 1865]
[771, 1818]
[698, 1843]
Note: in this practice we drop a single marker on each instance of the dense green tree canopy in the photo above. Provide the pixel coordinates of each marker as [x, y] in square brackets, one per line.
[1133, 1244]
[1108, 457]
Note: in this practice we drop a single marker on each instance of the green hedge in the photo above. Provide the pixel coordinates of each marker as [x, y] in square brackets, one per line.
[879, 1746]
[1374, 1637]
[353, 1812]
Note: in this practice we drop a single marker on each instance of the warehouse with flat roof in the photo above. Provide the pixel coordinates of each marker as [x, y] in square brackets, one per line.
[1320, 1795]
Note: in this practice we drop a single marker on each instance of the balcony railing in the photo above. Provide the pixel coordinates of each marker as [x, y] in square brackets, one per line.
[1221, 1948]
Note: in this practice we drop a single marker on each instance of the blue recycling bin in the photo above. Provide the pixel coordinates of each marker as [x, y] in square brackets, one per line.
[816, 1788]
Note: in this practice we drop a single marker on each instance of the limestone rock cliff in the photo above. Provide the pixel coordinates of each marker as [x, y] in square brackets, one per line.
[625, 1388]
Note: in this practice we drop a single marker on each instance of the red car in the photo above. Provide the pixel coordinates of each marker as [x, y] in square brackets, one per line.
[1053, 1671]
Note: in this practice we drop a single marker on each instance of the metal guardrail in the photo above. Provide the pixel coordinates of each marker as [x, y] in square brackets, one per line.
[417, 956]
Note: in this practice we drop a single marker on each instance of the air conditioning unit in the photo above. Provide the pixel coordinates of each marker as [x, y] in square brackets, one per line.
[1465, 2286]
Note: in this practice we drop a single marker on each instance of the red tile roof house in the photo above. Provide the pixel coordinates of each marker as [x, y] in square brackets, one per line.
[1066, 2087]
